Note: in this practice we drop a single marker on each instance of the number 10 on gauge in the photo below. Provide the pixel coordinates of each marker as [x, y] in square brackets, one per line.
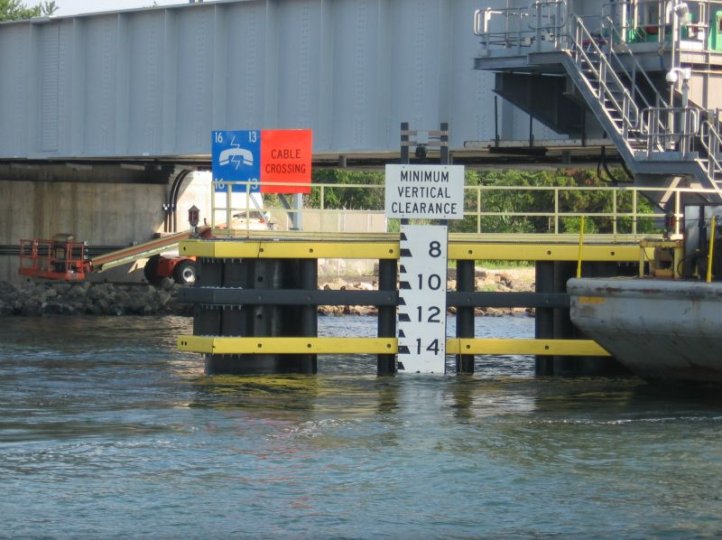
[422, 299]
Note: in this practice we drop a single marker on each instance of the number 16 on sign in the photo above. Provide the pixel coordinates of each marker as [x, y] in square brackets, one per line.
[422, 299]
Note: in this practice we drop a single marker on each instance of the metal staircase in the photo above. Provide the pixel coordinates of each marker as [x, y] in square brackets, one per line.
[711, 142]
[653, 137]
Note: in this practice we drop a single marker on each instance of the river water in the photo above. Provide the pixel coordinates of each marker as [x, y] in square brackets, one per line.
[106, 430]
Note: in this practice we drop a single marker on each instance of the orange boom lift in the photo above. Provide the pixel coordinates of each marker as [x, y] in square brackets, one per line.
[64, 258]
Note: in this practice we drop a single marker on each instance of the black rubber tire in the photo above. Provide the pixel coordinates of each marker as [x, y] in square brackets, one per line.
[150, 271]
[184, 272]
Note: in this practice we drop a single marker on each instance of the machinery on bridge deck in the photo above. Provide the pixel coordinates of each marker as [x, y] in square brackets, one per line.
[690, 249]
[64, 258]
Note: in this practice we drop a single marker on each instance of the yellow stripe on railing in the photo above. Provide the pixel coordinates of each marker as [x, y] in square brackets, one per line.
[508, 251]
[253, 249]
[286, 345]
[329, 345]
[506, 346]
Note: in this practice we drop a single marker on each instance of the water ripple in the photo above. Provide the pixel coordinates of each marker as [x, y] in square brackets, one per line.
[106, 435]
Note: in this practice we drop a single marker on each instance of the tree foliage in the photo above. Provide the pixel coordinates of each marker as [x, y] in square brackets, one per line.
[13, 10]
[564, 192]
[358, 197]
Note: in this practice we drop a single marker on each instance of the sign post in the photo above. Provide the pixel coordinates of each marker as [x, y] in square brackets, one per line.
[423, 192]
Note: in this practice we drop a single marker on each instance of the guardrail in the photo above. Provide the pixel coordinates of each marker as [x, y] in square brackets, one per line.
[488, 209]
[650, 20]
[671, 128]
[711, 141]
[542, 21]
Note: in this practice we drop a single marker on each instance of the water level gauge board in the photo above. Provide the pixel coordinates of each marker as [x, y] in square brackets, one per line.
[422, 299]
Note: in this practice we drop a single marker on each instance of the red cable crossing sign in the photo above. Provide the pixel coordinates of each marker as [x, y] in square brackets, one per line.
[274, 160]
[286, 158]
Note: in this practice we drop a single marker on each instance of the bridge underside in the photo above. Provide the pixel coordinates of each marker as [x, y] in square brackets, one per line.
[129, 171]
[160, 170]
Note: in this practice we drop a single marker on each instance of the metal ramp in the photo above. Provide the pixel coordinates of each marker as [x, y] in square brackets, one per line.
[140, 251]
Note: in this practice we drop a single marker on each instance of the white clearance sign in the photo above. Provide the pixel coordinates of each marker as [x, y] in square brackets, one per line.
[425, 191]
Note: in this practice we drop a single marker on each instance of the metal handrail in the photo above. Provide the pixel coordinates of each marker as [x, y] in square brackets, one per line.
[711, 140]
[515, 35]
[664, 139]
[559, 13]
[633, 18]
[623, 219]
[482, 18]
[638, 70]
[603, 59]
[556, 215]
[631, 15]
[628, 110]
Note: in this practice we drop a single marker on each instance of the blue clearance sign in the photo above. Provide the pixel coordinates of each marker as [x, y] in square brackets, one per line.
[236, 157]
[272, 160]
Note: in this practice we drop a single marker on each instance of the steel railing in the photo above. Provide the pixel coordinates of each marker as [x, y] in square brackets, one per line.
[620, 212]
[617, 44]
[648, 20]
[671, 129]
[711, 141]
[589, 58]
[621, 217]
[541, 22]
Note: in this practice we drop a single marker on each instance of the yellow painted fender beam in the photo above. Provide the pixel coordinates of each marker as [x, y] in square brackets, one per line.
[327, 345]
[542, 251]
[508, 251]
[503, 346]
[286, 345]
[234, 249]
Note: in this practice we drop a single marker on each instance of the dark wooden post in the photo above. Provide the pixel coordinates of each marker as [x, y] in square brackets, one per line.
[465, 282]
[388, 270]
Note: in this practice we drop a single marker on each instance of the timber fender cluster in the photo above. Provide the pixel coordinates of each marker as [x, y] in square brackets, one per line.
[268, 294]
[256, 304]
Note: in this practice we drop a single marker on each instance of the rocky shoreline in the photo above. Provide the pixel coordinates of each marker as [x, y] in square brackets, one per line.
[38, 298]
[506, 280]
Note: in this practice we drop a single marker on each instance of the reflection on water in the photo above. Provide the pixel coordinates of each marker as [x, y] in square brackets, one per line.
[106, 430]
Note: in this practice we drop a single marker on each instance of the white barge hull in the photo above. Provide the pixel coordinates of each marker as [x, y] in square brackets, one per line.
[661, 330]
